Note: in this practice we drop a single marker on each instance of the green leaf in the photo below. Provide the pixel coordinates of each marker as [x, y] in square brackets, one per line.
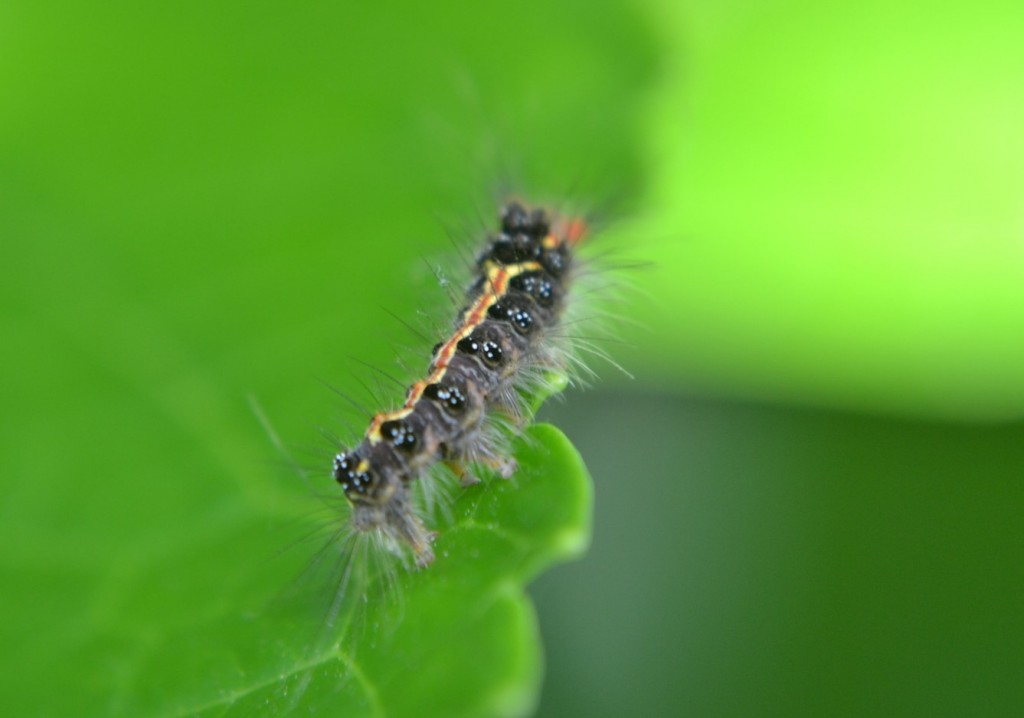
[207, 201]
[187, 630]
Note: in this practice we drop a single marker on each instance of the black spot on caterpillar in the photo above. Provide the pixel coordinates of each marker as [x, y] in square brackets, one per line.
[501, 345]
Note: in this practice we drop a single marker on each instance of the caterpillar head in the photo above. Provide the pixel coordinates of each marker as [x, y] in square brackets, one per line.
[361, 482]
[381, 505]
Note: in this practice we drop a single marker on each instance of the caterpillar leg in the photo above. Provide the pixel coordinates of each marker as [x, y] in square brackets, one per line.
[462, 473]
[423, 551]
[504, 466]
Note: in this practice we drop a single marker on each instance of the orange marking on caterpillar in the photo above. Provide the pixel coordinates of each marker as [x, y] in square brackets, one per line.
[575, 231]
[498, 277]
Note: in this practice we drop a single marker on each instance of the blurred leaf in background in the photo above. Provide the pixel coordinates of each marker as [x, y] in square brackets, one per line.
[839, 197]
[203, 202]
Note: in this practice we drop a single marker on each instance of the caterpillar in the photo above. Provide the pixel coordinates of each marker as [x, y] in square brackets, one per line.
[503, 343]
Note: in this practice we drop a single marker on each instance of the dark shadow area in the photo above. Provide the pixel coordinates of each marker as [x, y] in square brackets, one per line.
[752, 560]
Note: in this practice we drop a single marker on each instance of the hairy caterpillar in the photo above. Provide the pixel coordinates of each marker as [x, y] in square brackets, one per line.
[503, 343]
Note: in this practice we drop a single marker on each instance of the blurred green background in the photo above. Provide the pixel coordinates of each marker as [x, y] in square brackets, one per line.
[809, 500]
